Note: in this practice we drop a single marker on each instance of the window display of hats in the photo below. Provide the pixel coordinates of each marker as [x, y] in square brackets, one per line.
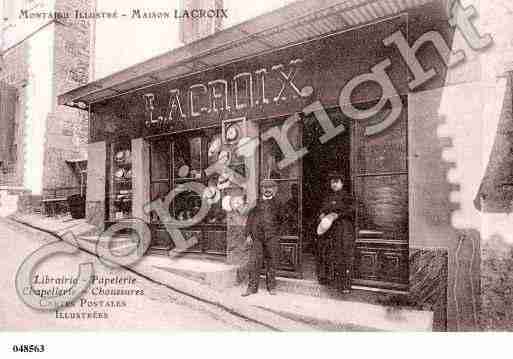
[121, 183]
[233, 132]
[214, 147]
[224, 181]
[119, 174]
[119, 157]
[123, 157]
[224, 157]
[183, 171]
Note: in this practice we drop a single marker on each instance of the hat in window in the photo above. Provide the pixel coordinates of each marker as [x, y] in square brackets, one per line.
[120, 156]
[214, 146]
[120, 173]
[232, 133]
[224, 157]
[326, 223]
[237, 202]
[226, 203]
[223, 181]
[211, 195]
[127, 155]
[183, 171]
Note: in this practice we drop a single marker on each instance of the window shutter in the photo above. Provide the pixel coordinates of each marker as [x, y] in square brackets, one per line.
[195, 29]
[8, 98]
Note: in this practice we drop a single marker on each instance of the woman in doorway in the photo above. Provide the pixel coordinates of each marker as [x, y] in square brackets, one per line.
[335, 236]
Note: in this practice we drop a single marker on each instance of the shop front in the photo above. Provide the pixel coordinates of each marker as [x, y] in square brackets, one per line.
[160, 138]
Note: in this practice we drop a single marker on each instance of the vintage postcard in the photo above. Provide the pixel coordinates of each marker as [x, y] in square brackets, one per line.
[284, 165]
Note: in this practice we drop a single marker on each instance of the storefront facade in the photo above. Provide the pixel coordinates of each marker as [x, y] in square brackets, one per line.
[150, 140]
[182, 124]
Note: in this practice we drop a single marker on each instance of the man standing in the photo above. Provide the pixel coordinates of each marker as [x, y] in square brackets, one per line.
[262, 236]
[335, 241]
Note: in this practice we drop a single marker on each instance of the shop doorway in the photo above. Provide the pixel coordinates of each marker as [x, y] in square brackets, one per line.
[302, 186]
[321, 159]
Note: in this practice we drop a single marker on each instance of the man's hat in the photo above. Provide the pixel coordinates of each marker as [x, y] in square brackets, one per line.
[335, 175]
[326, 223]
[269, 184]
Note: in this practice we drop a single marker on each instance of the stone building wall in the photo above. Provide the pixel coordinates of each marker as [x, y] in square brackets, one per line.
[15, 72]
[67, 128]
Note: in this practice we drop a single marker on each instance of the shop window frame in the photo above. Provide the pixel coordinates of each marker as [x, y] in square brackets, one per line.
[172, 181]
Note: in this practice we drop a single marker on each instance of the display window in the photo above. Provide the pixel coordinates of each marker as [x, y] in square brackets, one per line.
[120, 181]
[181, 159]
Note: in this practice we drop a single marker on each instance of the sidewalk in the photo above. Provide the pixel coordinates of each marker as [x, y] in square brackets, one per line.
[216, 283]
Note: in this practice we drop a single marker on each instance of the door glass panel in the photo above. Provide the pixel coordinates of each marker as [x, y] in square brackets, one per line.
[186, 205]
[385, 151]
[383, 207]
[158, 190]
[272, 155]
[288, 197]
[160, 160]
[287, 176]
[187, 158]
[213, 148]
[214, 196]
[121, 181]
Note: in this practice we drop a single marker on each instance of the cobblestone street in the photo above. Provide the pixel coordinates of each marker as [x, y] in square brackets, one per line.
[147, 306]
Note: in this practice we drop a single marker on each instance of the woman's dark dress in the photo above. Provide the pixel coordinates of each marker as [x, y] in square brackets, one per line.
[335, 247]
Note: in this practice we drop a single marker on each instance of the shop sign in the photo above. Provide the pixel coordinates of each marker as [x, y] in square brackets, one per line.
[243, 91]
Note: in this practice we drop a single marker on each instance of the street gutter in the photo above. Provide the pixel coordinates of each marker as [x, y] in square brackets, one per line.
[192, 289]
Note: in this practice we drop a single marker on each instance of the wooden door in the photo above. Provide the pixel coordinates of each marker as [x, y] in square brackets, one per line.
[289, 194]
[380, 179]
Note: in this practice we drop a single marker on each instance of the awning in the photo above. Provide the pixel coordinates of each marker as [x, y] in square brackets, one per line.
[297, 22]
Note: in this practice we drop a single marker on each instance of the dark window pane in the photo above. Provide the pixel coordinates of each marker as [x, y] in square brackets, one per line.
[196, 236]
[383, 206]
[158, 190]
[121, 181]
[187, 158]
[385, 151]
[288, 196]
[195, 145]
[215, 241]
[187, 204]
[272, 154]
[160, 160]
[213, 148]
